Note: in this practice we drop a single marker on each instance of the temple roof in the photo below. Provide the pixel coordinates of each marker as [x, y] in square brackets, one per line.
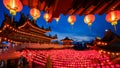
[27, 32]
[66, 38]
[109, 36]
[34, 26]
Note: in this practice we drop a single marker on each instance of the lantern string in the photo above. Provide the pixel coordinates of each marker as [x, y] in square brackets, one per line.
[12, 19]
[34, 21]
[90, 28]
[72, 27]
[115, 27]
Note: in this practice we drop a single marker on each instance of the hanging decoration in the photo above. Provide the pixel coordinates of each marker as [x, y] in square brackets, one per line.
[13, 6]
[35, 13]
[89, 19]
[113, 17]
[57, 19]
[72, 19]
[47, 17]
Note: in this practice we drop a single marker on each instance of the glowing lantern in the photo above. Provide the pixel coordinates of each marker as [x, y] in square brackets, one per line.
[47, 17]
[57, 19]
[89, 19]
[113, 17]
[72, 19]
[35, 13]
[13, 6]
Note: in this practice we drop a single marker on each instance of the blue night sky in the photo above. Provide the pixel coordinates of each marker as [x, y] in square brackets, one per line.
[80, 30]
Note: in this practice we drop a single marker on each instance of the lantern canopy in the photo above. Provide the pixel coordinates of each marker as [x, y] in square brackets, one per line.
[47, 17]
[89, 19]
[13, 6]
[35, 13]
[72, 19]
[113, 17]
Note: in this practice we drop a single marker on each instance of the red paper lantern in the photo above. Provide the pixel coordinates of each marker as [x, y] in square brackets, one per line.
[113, 17]
[13, 6]
[72, 19]
[47, 17]
[35, 13]
[89, 19]
[57, 19]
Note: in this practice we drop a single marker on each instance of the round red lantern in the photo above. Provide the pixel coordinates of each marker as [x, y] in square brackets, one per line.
[72, 19]
[13, 6]
[89, 19]
[113, 17]
[47, 16]
[35, 13]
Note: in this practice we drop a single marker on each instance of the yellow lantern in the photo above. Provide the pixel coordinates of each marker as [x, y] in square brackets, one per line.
[47, 16]
[35, 13]
[89, 19]
[72, 19]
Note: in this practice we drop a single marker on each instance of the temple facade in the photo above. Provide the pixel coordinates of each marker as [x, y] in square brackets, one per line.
[67, 41]
[28, 31]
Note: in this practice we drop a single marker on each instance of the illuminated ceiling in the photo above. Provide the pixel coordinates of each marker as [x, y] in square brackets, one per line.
[80, 7]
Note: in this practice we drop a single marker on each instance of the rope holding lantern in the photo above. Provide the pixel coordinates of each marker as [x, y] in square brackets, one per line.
[35, 13]
[89, 19]
[113, 17]
[13, 6]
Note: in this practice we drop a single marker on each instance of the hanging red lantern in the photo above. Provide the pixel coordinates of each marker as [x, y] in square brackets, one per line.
[89, 19]
[35, 13]
[72, 19]
[57, 19]
[13, 6]
[113, 17]
[47, 17]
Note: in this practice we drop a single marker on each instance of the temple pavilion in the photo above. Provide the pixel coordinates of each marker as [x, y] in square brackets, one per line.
[26, 32]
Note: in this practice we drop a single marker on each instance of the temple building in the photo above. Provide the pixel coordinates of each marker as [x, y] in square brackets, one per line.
[27, 32]
[66, 41]
[31, 30]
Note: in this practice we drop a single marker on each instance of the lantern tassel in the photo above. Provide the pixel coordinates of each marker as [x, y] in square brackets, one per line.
[90, 28]
[34, 21]
[12, 19]
[72, 27]
[114, 23]
[115, 27]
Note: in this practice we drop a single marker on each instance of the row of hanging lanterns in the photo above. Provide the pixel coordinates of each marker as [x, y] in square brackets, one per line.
[15, 6]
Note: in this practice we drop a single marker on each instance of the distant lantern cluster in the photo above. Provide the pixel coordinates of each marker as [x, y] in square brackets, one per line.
[15, 6]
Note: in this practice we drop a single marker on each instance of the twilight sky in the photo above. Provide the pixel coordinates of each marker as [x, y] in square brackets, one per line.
[80, 30]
